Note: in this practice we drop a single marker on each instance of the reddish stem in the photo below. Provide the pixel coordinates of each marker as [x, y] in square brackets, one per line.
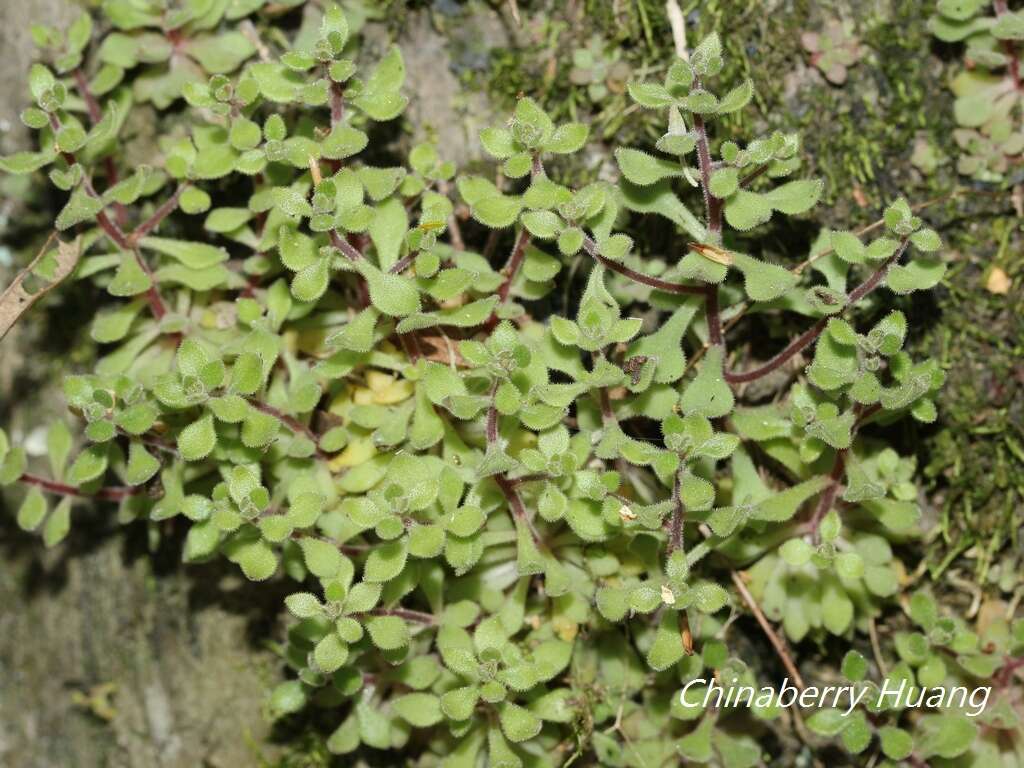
[403, 264]
[95, 115]
[714, 317]
[1004, 676]
[291, 422]
[515, 261]
[639, 277]
[492, 419]
[675, 540]
[776, 362]
[404, 613]
[110, 493]
[161, 213]
[828, 496]
[711, 203]
[812, 333]
[337, 104]
[515, 504]
[114, 232]
[343, 245]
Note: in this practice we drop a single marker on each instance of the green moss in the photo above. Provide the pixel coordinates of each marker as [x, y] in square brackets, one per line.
[976, 464]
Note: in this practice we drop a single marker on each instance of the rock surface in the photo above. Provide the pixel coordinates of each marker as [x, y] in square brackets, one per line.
[109, 656]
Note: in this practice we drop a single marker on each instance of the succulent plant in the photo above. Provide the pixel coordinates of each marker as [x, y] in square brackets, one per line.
[516, 530]
[600, 68]
[833, 50]
[989, 96]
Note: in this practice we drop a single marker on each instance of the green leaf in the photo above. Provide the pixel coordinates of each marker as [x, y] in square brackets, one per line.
[696, 745]
[644, 169]
[142, 465]
[782, 506]
[518, 724]
[386, 561]
[220, 53]
[330, 653]
[357, 335]
[392, 294]
[21, 163]
[708, 394]
[724, 181]
[58, 447]
[419, 709]
[191, 254]
[497, 142]
[826, 722]
[89, 465]
[763, 281]
[567, 138]
[303, 605]
[198, 439]
[343, 141]
[948, 735]
[388, 633]
[664, 345]
[321, 557]
[543, 224]
[387, 230]
[795, 196]
[926, 240]
[796, 552]
[745, 210]
[737, 98]
[311, 283]
[459, 703]
[709, 597]
[380, 98]
[58, 524]
[848, 247]
[288, 698]
[920, 274]
[247, 374]
[650, 95]
[80, 207]
[497, 211]
[896, 743]
[12, 462]
[660, 199]
[667, 648]
[32, 510]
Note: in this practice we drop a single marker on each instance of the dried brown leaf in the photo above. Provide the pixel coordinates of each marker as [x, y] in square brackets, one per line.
[16, 300]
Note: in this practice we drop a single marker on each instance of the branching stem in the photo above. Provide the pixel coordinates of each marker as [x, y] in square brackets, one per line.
[812, 333]
[166, 209]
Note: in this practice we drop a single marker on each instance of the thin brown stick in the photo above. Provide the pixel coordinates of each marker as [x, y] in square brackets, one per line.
[773, 638]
